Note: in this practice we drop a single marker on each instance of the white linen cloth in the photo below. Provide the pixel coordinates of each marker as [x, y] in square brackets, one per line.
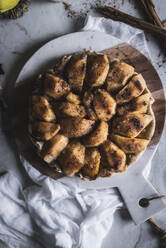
[51, 214]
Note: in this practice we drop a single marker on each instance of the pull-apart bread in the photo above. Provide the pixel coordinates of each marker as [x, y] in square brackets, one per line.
[90, 115]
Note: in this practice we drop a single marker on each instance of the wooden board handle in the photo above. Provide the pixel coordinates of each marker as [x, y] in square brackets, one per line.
[137, 188]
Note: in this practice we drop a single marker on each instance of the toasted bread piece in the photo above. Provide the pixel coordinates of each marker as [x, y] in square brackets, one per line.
[65, 109]
[92, 163]
[73, 98]
[133, 89]
[136, 105]
[98, 136]
[76, 127]
[55, 86]
[104, 105]
[115, 158]
[52, 148]
[41, 109]
[75, 71]
[72, 158]
[118, 75]
[97, 69]
[43, 130]
[131, 125]
[130, 145]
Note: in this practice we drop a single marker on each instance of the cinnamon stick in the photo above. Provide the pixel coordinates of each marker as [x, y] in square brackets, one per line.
[149, 8]
[158, 228]
[151, 12]
[161, 232]
[118, 15]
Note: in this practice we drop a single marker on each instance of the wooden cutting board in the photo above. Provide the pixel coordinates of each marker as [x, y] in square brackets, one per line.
[21, 91]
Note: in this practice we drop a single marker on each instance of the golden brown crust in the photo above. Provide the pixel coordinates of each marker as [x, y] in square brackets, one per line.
[133, 89]
[118, 75]
[98, 136]
[76, 127]
[104, 105]
[65, 109]
[130, 145]
[97, 69]
[115, 158]
[72, 158]
[136, 105]
[75, 71]
[41, 109]
[43, 130]
[55, 86]
[131, 125]
[52, 148]
[92, 163]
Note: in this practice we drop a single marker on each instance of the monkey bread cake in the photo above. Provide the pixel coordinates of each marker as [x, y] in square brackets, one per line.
[90, 115]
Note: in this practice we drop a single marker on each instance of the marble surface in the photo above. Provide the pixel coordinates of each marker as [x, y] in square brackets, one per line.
[20, 38]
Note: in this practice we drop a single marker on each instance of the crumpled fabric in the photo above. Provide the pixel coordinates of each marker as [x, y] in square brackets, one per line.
[50, 213]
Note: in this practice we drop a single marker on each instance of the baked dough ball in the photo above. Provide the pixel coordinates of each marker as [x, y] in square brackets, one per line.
[131, 125]
[55, 86]
[76, 127]
[133, 89]
[130, 145]
[138, 105]
[118, 75]
[43, 130]
[72, 158]
[104, 105]
[75, 71]
[97, 69]
[92, 163]
[65, 109]
[52, 148]
[115, 158]
[41, 109]
[98, 136]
